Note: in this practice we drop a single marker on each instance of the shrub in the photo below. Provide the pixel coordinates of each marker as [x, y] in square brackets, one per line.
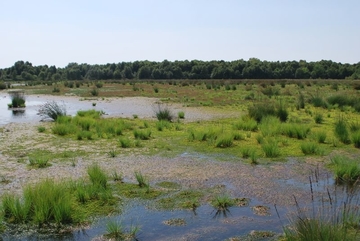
[163, 112]
[346, 170]
[56, 89]
[52, 110]
[341, 131]
[271, 148]
[97, 176]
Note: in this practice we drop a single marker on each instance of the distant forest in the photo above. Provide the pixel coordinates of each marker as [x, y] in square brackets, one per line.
[194, 69]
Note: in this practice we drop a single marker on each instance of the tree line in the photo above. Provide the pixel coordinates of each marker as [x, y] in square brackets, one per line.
[194, 69]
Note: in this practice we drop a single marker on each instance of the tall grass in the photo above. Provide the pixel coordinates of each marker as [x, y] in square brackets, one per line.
[341, 131]
[142, 181]
[52, 110]
[17, 99]
[271, 148]
[311, 148]
[246, 124]
[345, 169]
[270, 126]
[97, 176]
[295, 130]
[142, 134]
[224, 141]
[320, 136]
[356, 139]
[260, 110]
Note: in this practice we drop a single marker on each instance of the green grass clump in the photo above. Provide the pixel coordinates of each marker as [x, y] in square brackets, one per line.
[271, 148]
[142, 181]
[39, 161]
[142, 134]
[341, 131]
[62, 129]
[181, 115]
[320, 136]
[224, 141]
[125, 142]
[346, 170]
[163, 112]
[97, 176]
[319, 119]
[295, 130]
[246, 124]
[356, 139]
[270, 126]
[46, 202]
[222, 202]
[260, 110]
[311, 148]
[162, 124]
[41, 129]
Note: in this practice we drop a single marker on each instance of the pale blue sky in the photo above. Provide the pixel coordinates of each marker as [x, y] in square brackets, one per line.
[97, 32]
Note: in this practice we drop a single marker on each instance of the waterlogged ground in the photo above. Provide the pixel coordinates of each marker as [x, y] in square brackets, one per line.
[271, 183]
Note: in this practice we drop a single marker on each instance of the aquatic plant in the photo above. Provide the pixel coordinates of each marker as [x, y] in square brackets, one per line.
[222, 202]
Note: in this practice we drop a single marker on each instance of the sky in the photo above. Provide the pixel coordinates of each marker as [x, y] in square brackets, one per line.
[55, 32]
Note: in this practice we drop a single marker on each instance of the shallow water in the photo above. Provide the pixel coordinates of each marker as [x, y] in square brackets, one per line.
[202, 224]
[124, 107]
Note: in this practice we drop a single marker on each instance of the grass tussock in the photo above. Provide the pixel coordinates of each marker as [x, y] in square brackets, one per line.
[346, 170]
[271, 148]
[97, 176]
[142, 134]
[311, 148]
[341, 130]
[52, 110]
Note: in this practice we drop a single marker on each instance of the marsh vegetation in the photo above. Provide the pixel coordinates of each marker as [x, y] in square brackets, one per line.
[262, 122]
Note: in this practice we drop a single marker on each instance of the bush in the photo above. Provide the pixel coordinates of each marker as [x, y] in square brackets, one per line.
[163, 112]
[52, 110]
[56, 89]
[341, 131]
[2, 85]
[41, 129]
[94, 92]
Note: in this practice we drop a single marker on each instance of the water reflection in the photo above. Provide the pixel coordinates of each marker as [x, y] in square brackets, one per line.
[18, 112]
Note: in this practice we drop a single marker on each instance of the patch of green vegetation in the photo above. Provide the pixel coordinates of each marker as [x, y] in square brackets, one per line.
[346, 170]
[169, 185]
[130, 190]
[185, 199]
